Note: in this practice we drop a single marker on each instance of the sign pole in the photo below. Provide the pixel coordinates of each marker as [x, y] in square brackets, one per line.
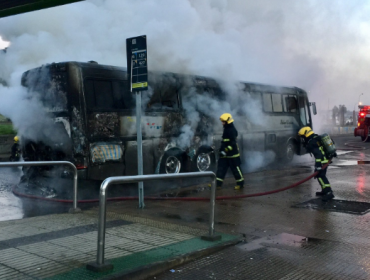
[137, 65]
[139, 140]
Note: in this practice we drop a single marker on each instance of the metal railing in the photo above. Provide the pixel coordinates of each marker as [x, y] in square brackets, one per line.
[44, 163]
[100, 266]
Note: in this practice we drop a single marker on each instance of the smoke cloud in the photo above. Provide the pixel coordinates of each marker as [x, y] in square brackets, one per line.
[320, 46]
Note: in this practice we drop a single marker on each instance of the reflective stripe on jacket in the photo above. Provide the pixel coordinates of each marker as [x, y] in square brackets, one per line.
[228, 143]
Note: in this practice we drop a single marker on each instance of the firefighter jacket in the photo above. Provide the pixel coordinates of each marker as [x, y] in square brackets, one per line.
[314, 146]
[228, 143]
[16, 150]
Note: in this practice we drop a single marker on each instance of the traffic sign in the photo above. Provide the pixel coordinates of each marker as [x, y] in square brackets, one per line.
[137, 63]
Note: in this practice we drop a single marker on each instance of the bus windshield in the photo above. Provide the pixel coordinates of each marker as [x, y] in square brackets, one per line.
[304, 111]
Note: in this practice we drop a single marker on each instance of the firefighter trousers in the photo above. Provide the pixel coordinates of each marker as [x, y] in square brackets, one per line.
[323, 180]
[223, 166]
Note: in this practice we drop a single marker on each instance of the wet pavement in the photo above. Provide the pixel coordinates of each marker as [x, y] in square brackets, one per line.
[282, 241]
[278, 240]
[10, 205]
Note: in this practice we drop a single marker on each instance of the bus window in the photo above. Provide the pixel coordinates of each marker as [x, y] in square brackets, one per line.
[155, 100]
[267, 103]
[164, 99]
[290, 103]
[122, 97]
[107, 95]
[170, 98]
[303, 112]
[103, 93]
[276, 103]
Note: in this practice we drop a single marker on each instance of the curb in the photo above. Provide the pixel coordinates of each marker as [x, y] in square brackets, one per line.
[144, 272]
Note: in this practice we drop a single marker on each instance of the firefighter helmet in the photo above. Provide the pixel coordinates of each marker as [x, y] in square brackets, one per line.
[305, 131]
[16, 139]
[226, 117]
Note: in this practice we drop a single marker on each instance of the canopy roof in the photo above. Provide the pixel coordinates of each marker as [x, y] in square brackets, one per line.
[14, 7]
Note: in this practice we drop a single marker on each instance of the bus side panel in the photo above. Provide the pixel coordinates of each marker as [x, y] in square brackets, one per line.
[277, 141]
[151, 126]
[130, 157]
[103, 125]
[253, 144]
[271, 140]
[103, 171]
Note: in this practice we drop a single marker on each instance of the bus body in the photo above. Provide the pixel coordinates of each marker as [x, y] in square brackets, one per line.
[94, 111]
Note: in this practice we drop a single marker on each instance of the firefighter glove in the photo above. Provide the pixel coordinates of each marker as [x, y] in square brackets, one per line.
[318, 166]
[223, 153]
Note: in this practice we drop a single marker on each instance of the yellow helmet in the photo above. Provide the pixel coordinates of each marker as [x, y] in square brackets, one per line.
[305, 131]
[226, 118]
[16, 139]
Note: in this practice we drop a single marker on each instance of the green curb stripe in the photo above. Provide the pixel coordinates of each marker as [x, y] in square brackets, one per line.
[135, 260]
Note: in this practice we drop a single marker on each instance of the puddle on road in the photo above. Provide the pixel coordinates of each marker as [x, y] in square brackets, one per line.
[339, 153]
[344, 163]
[283, 239]
[349, 162]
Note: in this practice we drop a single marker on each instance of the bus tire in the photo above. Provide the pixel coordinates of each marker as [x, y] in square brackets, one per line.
[204, 160]
[172, 162]
[366, 138]
[290, 151]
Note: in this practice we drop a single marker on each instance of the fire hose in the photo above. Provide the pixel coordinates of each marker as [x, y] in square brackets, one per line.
[171, 198]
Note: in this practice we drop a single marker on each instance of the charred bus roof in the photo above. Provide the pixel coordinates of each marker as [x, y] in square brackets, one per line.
[92, 68]
[88, 68]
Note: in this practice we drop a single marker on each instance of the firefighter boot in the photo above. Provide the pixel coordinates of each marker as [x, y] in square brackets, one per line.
[319, 193]
[217, 187]
[238, 187]
[327, 194]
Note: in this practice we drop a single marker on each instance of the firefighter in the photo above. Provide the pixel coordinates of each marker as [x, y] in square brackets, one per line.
[229, 153]
[16, 151]
[314, 146]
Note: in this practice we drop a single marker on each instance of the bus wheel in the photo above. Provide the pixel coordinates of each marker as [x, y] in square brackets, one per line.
[204, 160]
[171, 162]
[290, 151]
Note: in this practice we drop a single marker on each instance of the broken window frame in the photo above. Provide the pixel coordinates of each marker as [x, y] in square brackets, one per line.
[127, 99]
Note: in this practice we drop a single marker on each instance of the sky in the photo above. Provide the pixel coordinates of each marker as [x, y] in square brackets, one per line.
[320, 46]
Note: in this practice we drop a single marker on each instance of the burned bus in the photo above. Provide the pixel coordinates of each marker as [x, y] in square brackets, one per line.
[93, 124]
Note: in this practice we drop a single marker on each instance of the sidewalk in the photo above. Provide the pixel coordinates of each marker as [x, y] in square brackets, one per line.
[59, 246]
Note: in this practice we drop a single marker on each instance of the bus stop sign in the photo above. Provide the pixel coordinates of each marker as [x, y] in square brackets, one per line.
[137, 63]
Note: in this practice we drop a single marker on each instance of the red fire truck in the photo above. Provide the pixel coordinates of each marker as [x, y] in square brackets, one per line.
[363, 124]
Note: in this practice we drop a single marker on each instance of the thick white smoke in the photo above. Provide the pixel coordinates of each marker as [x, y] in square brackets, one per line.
[3, 44]
[320, 46]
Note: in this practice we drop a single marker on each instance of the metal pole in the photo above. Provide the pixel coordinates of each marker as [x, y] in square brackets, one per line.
[43, 163]
[75, 179]
[139, 149]
[212, 208]
[100, 266]
[102, 221]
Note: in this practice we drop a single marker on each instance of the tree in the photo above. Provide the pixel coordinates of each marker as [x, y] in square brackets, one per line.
[335, 111]
[342, 108]
[341, 113]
